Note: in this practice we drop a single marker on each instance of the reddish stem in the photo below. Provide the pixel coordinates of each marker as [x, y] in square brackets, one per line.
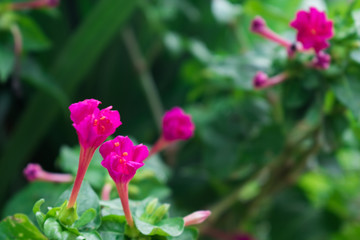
[84, 161]
[105, 193]
[160, 145]
[122, 188]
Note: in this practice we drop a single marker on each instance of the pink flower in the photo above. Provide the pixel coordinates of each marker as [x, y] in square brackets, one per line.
[261, 80]
[93, 125]
[122, 158]
[34, 172]
[196, 217]
[313, 29]
[258, 26]
[321, 61]
[177, 125]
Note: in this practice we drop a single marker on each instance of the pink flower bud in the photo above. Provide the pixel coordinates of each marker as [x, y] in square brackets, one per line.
[260, 79]
[258, 24]
[321, 61]
[196, 217]
[34, 4]
[177, 125]
[314, 29]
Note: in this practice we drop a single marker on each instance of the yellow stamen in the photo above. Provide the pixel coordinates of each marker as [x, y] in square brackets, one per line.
[96, 122]
[125, 153]
[102, 118]
[116, 144]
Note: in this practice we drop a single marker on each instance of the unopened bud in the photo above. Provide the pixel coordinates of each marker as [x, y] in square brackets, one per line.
[150, 208]
[67, 216]
[257, 24]
[160, 212]
[196, 217]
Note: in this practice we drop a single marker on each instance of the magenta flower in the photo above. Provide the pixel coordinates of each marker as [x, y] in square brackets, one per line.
[314, 29]
[34, 172]
[122, 159]
[92, 126]
[196, 217]
[176, 125]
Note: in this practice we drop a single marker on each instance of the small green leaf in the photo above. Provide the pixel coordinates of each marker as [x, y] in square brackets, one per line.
[86, 199]
[85, 218]
[52, 229]
[7, 61]
[37, 205]
[19, 227]
[91, 235]
[167, 227]
[189, 233]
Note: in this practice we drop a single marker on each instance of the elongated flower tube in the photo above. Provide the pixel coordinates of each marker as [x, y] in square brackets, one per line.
[258, 26]
[314, 29]
[176, 125]
[261, 80]
[92, 126]
[34, 172]
[196, 217]
[34, 4]
[122, 159]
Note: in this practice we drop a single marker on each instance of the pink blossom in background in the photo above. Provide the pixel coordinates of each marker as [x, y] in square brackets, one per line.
[93, 125]
[196, 217]
[177, 125]
[34, 172]
[34, 4]
[122, 158]
[314, 29]
[260, 79]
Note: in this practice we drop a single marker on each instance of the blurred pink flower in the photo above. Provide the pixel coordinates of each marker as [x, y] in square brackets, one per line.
[92, 126]
[34, 172]
[261, 80]
[313, 29]
[34, 4]
[321, 61]
[258, 26]
[196, 217]
[122, 159]
[177, 125]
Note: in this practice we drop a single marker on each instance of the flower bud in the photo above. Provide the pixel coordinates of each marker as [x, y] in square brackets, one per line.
[196, 217]
[150, 208]
[160, 212]
[67, 216]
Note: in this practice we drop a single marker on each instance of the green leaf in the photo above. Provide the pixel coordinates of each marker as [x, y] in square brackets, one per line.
[112, 227]
[85, 218]
[91, 235]
[69, 69]
[68, 161]
[19, 227]
[32, 193]
[33, 37]
[189, 233]
[346, 90]
[52, 229]
[167, 227]
[86, 199]
[7, 61]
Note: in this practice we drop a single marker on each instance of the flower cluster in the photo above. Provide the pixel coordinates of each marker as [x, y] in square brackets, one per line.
[313, 32]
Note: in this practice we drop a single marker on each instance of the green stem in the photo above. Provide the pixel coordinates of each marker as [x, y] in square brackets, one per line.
[146, 79]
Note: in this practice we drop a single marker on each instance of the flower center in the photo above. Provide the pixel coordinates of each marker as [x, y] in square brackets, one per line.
[313, 31]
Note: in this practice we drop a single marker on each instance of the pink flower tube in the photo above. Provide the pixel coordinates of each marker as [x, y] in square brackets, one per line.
[176, 125]
[314, 29]
[122, 159]
[92, 126]
[34, 172]
[261, 80]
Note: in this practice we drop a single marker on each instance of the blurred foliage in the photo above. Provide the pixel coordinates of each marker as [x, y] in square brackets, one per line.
[280, 164]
